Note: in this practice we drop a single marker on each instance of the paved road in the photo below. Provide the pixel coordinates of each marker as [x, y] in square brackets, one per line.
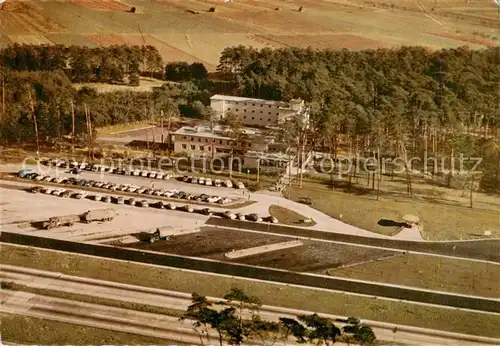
[265, 274]
[487, 250]
[180, 301]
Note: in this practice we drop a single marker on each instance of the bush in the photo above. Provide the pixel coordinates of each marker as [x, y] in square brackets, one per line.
[252, 187]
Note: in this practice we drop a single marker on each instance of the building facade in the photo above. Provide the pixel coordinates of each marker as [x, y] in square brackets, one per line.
[258, 112]
[203, 141]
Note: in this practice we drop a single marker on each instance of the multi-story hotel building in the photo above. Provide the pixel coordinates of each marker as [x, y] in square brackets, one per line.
[258, 112]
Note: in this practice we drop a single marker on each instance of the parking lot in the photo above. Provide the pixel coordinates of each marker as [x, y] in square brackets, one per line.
[20, 208]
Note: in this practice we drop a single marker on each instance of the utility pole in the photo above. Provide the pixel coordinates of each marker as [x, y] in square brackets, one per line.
[3, 94]
[161, 124]
[72, 126]
[146, 128]
[32, 107]
[258, 168]
[58, 112]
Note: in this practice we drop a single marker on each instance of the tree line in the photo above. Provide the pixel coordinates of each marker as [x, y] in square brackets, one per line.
[113, 64]
[236, 320]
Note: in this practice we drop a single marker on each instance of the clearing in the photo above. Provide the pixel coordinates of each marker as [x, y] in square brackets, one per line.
[269, 293]
[146, 84]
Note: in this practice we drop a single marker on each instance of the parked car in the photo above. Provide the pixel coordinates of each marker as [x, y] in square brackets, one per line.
[40, 177]
[79, 195]
[272, 219]
[229, 215]
[141, 190]
[168, 193]
[131, 201]
[106, 199]
[217, 183]
[96, 197]
[24, 172]
[187, 208]
[240, 217]
[159, 175]
[144, 173]
[171, 206]
[194, 180]
[305, 200]
[143, 203]
[201, 181]
[66, 193]
[167, 176]
[228, 183]
[147, 191]
[136, 172]
[47, 191]
[254, 217]
[159, 205]
[240, 185]
[58, 192]
[213, 199]
[208, 182]
[186, 179]
[119, 200]
[206, 211]
[36, 189]
[224, 200]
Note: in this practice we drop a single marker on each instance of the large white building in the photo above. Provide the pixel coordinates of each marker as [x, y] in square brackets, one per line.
[258, 112]
[203, 141]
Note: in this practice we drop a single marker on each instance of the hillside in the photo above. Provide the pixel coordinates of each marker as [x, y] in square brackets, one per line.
[186, 30]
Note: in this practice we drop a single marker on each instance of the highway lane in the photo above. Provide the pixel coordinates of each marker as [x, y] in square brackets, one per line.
[266, 274]
[180, 301]
[487, 250]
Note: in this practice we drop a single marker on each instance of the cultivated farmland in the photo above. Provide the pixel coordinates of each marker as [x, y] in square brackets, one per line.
[186, 30]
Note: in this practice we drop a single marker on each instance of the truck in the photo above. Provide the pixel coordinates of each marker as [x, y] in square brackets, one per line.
[107, 214]
[57, 221]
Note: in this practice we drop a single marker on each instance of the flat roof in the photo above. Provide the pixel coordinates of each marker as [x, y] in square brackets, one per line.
[205, 131]
[243, 99]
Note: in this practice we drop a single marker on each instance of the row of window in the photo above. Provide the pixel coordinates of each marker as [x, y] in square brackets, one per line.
[206, 140]
[205, 148]
[261, 119]
[277, 113]
[246, 103]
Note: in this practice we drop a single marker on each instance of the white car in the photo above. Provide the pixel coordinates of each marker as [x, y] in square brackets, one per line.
[241, 216]
[228, 183]
[240, 185]
[159, 175]
[170, 206]
[208, 182]
[144, 173]
[46, 191]
[229, 215]
[96, 197]
[136, 172]
[201, 181]
[217, 183]
[213, 199]
[152, 174]
[40, 177]
[187, 208]
[225, 200]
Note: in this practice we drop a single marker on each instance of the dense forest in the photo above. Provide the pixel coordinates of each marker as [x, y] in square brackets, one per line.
[405, 101]
[114, 64]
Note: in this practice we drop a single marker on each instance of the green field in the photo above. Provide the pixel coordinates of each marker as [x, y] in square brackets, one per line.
[440, 220]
